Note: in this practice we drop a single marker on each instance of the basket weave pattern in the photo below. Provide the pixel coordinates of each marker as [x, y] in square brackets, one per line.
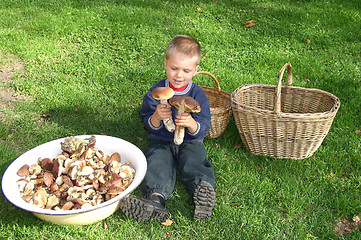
[283, 121]
[220, 107]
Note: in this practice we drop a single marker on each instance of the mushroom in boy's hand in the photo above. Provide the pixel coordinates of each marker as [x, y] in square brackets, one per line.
[163, 94]
[183, 104]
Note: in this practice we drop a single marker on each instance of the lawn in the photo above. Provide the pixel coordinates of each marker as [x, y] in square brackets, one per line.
[82, 67]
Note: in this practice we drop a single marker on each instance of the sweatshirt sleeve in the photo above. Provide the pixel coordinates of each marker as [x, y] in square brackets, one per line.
[203, 118]
[148, 108]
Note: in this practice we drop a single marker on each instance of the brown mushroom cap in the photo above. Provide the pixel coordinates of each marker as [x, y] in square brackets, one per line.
[48, 179]
[190, 104]
[23, 171]
[67, 206]
[46, 164]
[162, 93]
[115, 157]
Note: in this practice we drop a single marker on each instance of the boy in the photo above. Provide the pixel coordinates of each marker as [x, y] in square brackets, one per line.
[165, 158]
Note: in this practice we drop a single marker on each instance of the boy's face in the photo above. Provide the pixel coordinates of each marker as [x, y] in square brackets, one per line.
[180, 70]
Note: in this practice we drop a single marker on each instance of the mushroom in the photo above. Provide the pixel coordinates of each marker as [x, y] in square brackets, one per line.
[80, 201]
[48, 179]
[163, 94]
[40, 198]
[183, 104]
[126, 172]
[23, 171]
[34, 170]
[85, 171]
[46, 164]
[67, 206]
[54, 187]
[53, 200]
[57, 167]
[115, 157]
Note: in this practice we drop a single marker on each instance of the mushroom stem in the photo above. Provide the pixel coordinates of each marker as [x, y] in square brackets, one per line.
[179, 130]
[168, 122]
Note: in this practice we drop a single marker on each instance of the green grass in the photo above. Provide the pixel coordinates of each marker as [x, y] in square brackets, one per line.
[89, 63]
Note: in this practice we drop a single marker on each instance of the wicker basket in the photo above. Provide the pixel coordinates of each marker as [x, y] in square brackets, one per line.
[220, 106]
[283, 121]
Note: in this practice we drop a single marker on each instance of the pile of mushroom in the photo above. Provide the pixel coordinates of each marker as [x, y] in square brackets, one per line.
[80, 177]
[183, 104]
[163, 94]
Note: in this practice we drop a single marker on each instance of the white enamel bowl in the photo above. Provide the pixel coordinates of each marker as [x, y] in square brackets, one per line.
[128, 152]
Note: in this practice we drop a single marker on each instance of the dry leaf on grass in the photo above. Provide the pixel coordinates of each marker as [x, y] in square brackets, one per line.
[358, 132]
[250, 23]
[308, 41]
[167, 222]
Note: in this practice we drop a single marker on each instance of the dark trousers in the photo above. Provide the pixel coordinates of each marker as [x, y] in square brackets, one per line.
[165, 159]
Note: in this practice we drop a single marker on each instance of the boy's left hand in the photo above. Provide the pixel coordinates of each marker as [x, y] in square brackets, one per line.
[186, 120]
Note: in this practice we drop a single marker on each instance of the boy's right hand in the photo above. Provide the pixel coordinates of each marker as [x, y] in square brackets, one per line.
[163, 111]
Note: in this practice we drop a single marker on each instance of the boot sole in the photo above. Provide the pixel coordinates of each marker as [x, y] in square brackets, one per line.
[204, 199]
[141, 210]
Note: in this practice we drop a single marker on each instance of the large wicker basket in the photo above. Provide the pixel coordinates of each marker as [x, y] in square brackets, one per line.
[283, 121]
[220, 106]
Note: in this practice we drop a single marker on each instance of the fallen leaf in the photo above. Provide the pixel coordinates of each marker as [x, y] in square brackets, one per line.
[356, 219]
[258, 169]
[308, 41]
[358, 132]
[167, 222]
[250, 23]
[199, 9]
[105, 225]
[45, 115]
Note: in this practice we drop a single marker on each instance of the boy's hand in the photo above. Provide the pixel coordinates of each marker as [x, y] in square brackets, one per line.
[163, 111]
[186, 120]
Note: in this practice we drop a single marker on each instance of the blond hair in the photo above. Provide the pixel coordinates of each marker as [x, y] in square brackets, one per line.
[185, 46]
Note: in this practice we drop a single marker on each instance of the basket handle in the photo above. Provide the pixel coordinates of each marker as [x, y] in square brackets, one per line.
[212, 76]
[289, 80]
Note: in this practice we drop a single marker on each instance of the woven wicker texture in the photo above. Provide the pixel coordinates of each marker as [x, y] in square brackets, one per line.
[283, 121]
[220, 106]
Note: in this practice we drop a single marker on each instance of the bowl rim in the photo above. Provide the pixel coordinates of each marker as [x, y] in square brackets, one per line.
[139, 176]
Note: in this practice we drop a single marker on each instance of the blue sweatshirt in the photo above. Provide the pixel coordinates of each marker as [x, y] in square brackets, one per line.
[203, 118]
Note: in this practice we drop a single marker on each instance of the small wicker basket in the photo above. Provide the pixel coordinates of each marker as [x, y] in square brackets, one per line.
[283, 121]
[220, 106]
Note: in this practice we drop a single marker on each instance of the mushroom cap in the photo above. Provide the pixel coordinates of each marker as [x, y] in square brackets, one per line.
[190, 104]
[23, 171]
[162, 93]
